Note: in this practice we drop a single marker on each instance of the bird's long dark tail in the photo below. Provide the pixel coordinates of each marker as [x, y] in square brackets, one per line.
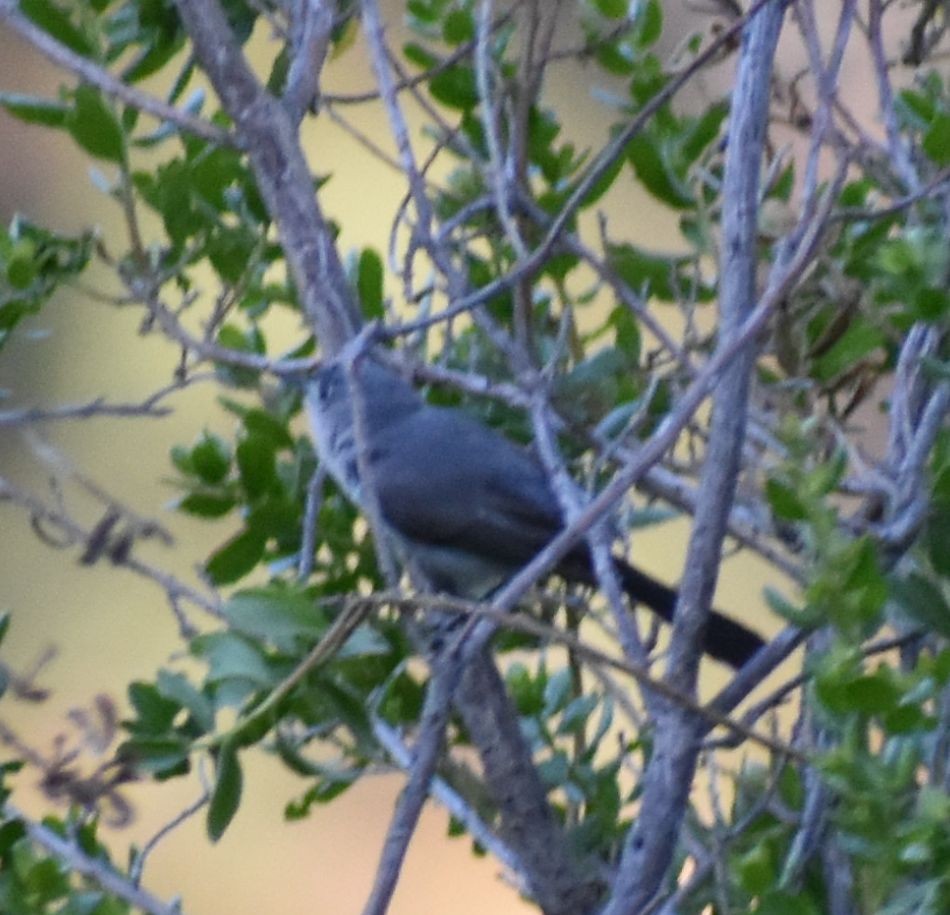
[725, 640]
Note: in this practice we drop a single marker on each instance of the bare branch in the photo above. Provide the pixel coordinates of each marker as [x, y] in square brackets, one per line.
[148, 408]
[498, 165]
[69, 853]
[896, 147]
[74, 534]
[426, 751]
[97, 407]
[562, 884]
[312, 28]
[270, 138]
[651, 842]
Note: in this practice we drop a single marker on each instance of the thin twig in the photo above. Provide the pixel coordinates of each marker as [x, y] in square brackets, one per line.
[432, 724]
[138, 864]
[517, 622]
[75, 534]
[312, 28]
[529, 265]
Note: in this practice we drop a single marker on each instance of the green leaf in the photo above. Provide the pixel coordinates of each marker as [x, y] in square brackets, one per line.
[230, 250]
[236, 558]
[34, 110]
[251, 341]
[756, 869]
[267, 426]
[527, 691]
[936, 142]
[924, 601]
[92, 902]
[860, 339]
[45, 882]
[211, 459]
[181, 458]
[785, 501]
[871, 694]
[53, 20]
[177, 688]
[626, 332]
[329, 787]
[824, 479]
[915, 105]
[615, 58]
[557, 691]
[937, 538]
[855, 588]
[231, 656]
[458, 27]
[277, 516]
[363, 642]
[612, 9]
[603, 725]
[417, 54]
[668, 278]
[931, 303]
[702, 132]
[650, 164]
[369, 283]
[602, 184]
[159, 51]
[95, 127]
[226, 796]
[22, 264]
[649, 23]
[283, 617]
[213, 171]
[205, 505]
[554, 771]
[575, 714]
[424, 11]
[257, 465]
[154, 712]
[162, 756]
[797, 616]
[455, 87]
[784, 183]
[776, 902]
[908, 719]
[10, 833]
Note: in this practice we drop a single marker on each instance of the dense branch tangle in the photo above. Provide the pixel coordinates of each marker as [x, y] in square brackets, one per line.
[516, 287]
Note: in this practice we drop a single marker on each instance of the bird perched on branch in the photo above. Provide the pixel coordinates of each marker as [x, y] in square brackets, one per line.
[468, 506]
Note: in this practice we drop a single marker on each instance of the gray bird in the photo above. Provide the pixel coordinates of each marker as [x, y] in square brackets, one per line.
[469, 506]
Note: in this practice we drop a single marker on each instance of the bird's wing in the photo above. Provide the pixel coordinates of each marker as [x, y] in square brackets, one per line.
[483, 494]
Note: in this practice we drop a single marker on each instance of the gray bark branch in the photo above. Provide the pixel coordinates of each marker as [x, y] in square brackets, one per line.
[650, 846]
[269, 135]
